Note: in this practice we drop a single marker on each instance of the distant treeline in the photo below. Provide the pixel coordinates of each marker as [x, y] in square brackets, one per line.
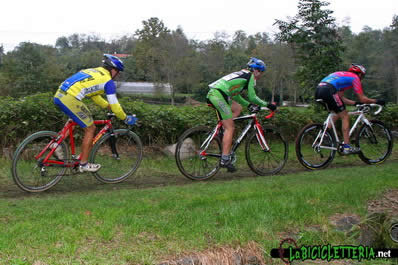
[308, 46]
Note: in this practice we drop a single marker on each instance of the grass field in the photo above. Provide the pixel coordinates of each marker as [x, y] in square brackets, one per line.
[159, 215]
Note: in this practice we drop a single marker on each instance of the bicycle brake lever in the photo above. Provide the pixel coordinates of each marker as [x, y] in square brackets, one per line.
[269, 116]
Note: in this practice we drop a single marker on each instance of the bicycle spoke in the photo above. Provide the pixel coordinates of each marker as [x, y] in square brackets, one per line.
[375, 143]
[310, 151]
[268, 162]
[31, 174]
[194, 162]
[114, 168]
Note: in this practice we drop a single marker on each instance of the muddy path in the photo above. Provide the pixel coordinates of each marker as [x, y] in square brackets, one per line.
[86, 183]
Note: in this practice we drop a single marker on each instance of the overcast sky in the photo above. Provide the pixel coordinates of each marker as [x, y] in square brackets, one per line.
[43, 21]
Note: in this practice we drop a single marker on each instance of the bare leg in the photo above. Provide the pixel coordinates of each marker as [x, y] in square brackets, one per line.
[87, 143]
[345, 118]
[229, 128]
[334, 118]
[236, 109]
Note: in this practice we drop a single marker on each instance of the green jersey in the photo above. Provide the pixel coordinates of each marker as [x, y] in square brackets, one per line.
[233, 84]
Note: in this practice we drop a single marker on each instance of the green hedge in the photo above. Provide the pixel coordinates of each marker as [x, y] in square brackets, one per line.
[158, 98]
[157, 123]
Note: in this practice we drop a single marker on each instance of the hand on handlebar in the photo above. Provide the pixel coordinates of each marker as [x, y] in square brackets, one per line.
[271, 106]
[130, 120]
[380, 102]
[253, 108]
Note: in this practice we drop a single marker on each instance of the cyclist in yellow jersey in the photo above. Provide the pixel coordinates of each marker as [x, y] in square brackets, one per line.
[91, 83]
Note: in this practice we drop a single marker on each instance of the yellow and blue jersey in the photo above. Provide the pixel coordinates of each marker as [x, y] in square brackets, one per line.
[93, 83]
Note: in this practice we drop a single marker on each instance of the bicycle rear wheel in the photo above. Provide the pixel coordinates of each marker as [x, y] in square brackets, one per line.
[31, 174]
[309, 152]
[116, 168]
[192, 159]
[375, 142]
[269, 162]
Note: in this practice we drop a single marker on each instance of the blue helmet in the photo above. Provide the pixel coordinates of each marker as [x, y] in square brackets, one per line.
[255, 63]
[113, 62]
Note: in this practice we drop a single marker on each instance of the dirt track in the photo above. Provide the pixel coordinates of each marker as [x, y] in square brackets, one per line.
[142, 180]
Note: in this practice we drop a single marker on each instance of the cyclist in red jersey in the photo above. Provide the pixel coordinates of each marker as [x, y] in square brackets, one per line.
[331, 91]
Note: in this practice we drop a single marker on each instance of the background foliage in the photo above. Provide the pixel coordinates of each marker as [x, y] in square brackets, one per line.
[308, 46]
[160, 124]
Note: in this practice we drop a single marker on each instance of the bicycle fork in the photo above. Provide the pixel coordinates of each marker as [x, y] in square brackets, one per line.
[260, 137]
[112, 144]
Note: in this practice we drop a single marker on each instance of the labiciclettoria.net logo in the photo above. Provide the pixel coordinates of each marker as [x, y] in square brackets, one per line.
[288, 251]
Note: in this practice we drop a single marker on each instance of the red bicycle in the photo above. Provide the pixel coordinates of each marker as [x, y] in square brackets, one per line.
[198, 151]
[43, 158]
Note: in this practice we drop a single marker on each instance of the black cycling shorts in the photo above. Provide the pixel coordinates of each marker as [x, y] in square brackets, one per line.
[328, 94]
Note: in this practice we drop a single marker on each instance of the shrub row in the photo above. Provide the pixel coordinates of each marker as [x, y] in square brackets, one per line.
[158, 98]
[157, 123]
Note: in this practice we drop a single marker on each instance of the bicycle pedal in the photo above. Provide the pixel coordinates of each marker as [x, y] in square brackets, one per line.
[74, 171]
[231, 169]
[116, 157]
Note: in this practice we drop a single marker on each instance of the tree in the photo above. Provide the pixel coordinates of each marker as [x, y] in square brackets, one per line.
[1, 53]
[125, 44]
[62, 43]
[313, 35]
[390, 69]
[152, 29]
[146, 51]
[30, 68]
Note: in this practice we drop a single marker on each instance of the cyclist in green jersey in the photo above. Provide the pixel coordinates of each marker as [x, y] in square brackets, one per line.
[225, 96]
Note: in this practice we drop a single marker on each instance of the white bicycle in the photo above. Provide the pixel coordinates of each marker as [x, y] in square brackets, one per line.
[317, 144]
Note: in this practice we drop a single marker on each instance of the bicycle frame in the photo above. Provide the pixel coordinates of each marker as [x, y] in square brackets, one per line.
[66, 131]
[253, 123]
[329, 121]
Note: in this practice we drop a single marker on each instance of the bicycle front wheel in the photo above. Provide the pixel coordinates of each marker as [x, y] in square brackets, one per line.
[194, 159]
[266, 162]
[120, 163]
[375, 142]
[312, 153]
[29, 172]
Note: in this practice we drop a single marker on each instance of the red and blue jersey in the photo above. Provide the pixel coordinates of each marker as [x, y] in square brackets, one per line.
[343, 81]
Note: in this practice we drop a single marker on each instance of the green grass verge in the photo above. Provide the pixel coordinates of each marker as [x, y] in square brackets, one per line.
[143, 226]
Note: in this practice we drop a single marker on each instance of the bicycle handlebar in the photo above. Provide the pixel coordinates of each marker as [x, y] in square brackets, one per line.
[110, 115]
[269, 116]
[380, 107]
[367, 107]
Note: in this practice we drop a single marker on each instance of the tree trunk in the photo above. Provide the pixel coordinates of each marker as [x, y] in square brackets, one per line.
[295, 94]
[280, 93]
[171, 88]
[172, 95]
[273, 94]
[396, 82]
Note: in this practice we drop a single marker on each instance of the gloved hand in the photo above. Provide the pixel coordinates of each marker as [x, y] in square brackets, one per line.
[253, 108]
[380, 102]
[271, 106]
[357, 103]
[130, 120]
